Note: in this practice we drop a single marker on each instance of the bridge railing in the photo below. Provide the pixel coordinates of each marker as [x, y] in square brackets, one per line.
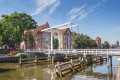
[79, 51]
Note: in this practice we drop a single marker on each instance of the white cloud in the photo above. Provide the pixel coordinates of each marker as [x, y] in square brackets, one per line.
[44, 4]
[98, 4]
[75, 10]
[80, 13]
[77, 13]
[52, 9]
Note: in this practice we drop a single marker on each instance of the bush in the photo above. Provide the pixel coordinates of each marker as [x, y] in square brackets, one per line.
[22, 55]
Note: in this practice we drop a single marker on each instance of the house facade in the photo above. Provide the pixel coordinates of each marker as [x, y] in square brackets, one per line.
[66, 37]
[35, 39]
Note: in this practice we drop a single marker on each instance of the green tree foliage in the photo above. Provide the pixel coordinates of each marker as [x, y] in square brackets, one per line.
[106, 44]
[83, 41]
[55, 43]
[0, 33]
[13, 27]
[117, 43]
[102, 46]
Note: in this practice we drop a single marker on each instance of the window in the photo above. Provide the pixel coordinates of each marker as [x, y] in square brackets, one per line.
[43, 35]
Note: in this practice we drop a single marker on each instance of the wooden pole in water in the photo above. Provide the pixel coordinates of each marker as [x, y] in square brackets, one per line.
[72, 65]
[35, 59]
[20, 61]
[118, 70]
[53, 59]
[110, 61]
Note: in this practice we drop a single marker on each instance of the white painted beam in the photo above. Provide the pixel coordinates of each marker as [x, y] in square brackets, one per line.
[57, 26]
[70, 26]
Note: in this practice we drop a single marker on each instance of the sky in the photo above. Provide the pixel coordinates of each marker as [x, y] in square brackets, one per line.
[94, 17]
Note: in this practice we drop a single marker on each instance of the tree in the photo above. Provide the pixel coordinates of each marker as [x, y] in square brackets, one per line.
[106, 44]
[0, 33]
[55, 43]
[102, 46]
[13, 27]
[117, 43]
[83, 41]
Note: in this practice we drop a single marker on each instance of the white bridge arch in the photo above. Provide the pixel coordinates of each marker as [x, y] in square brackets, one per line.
[57, 30]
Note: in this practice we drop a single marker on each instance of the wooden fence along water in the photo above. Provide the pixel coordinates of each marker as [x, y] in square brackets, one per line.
[8, 58]
[73, 65]
[35, 60]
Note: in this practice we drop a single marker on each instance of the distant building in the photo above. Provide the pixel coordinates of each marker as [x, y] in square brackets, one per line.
[98, 41]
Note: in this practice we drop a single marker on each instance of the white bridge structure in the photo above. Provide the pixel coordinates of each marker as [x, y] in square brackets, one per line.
[104, 52]
[57, 30]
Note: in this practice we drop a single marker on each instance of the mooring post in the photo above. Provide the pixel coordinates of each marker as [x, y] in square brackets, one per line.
[53, 59]
[49, 55]
[110, 61]
[72, 65]
[58, 70]
[118, 70]
[35, 60]
[20, 61]
[79, 61]
[76, 53]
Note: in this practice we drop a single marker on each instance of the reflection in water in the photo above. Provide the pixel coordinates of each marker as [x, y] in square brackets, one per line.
[97, 71]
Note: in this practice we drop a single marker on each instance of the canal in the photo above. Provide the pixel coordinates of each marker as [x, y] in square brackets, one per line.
[96, 71]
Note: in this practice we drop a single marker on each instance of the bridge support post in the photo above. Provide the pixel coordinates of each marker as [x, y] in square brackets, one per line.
[107, 59]
[110, 61]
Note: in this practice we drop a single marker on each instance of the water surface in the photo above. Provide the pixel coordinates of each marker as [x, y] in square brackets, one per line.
[97, 71]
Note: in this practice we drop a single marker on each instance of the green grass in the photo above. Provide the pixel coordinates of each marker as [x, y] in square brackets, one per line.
[22, 55]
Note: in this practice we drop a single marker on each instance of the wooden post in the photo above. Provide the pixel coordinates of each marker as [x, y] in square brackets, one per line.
[76, 53]
[110, 61]
[80, 61]
[35, 60]
[20, 61]
[72, 65]
[53, 59]
[118, 70]
[58, 70]
[66, 54]
[49, 55]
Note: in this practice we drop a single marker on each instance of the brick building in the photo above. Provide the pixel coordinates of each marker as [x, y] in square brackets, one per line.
[37, 40]
[66, 38]
[98, 41]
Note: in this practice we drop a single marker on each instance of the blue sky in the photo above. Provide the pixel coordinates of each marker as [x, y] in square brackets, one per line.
[95, 17]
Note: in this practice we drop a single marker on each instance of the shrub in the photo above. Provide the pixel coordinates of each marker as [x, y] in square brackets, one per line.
[22, 55]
